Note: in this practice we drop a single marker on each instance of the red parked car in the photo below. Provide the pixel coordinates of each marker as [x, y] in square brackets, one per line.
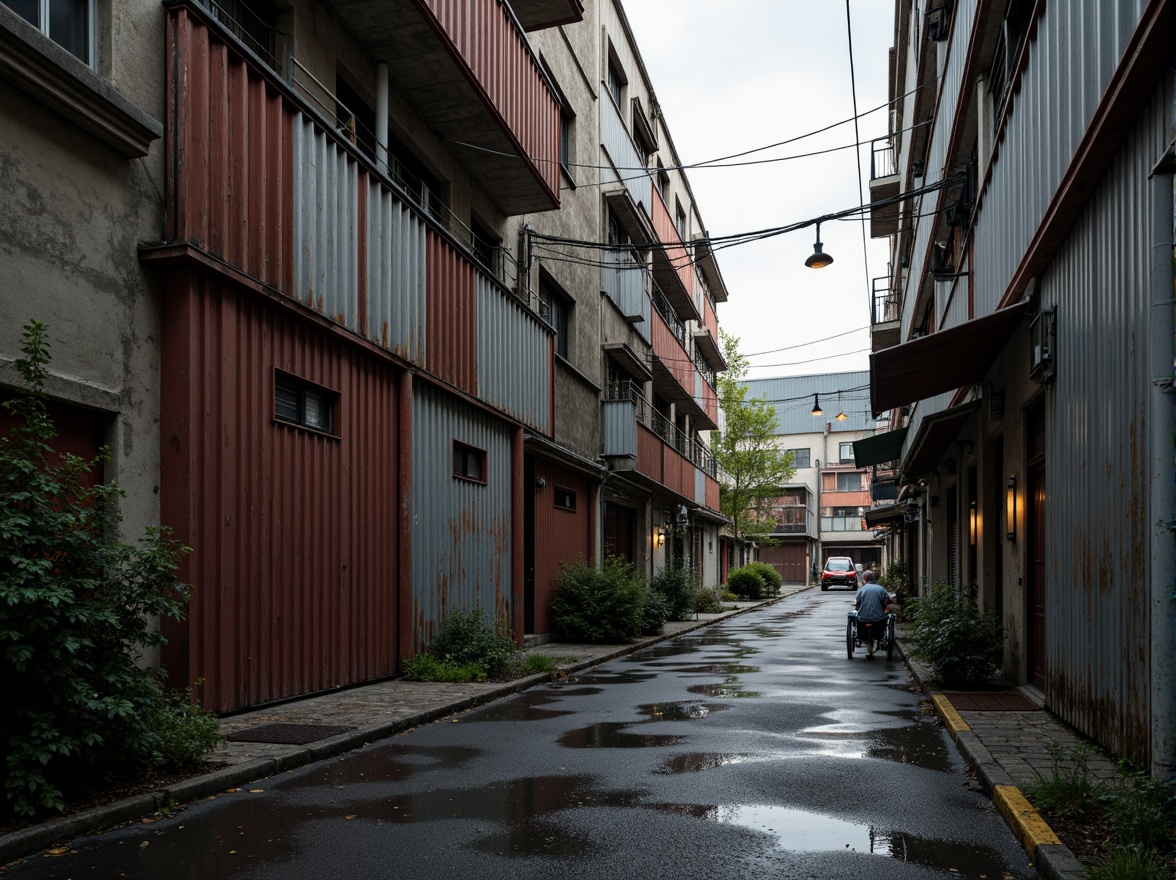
[839, 571]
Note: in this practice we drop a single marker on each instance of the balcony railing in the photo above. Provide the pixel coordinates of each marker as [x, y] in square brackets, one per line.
[645, 414]
[883, 162]
[885, 301]
[662, 304]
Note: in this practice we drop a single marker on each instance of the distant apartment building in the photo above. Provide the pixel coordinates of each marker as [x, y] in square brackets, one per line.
[384, 306]
[822, 511]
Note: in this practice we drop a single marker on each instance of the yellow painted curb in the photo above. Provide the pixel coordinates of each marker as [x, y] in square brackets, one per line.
[1025, 821]
[949, 714]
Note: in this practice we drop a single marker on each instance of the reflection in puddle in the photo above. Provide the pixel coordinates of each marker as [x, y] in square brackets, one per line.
[524, 708]
[606, 677]
[386, 763]
[696, 762]
[611, 735]
[719, 669]
[680, 711]
[921, 744]
[564, 690]
[801, 831]
[729, 688]
[672, 649]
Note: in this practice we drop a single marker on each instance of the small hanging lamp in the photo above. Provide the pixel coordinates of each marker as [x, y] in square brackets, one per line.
[817, 406]
[819, 259]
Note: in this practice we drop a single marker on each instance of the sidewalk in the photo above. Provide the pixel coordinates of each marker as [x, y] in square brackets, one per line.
[1008, 747]
[1005, 747]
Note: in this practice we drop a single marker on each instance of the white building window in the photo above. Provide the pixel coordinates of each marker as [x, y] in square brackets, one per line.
[69, 23]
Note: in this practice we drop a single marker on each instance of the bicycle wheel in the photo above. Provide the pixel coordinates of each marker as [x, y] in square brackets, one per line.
[890, 639]
[849, 639]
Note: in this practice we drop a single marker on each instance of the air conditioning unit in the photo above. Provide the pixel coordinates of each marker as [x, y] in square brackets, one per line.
[1042, 332]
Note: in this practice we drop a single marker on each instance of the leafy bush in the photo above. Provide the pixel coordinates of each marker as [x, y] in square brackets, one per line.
[76, 610]
[466, 637]
[1130, 863]
[961, 643]
[676, 585]
[597, 605]
[709, 601]
[426, 667]
[746, 583]
[773, 580]
[897, 579]
[185, 731]
[726, 595]
[655, 611]
[1141, 811]
[1068, 790]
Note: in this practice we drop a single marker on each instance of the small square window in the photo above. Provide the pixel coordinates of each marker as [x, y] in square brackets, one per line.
[846, 451]
[469, 463]
[298, 402]
[565, 499]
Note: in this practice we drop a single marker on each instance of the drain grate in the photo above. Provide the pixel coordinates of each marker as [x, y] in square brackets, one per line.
[989, 702]
[287, 734]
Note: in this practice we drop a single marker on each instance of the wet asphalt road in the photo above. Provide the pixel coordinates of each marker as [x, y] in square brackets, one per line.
[752, 748]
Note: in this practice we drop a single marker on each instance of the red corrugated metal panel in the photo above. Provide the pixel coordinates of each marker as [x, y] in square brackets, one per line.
[709, 319]
[497, 54]
[667, 233]
[649, 453]
[229, 155]
[452, 347]
[712, 494]
[668, 349]
[561, 535]
[295, 563]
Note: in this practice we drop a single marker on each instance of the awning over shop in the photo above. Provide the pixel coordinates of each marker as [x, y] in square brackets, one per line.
[885, 513]
[879, 448]
[942, 361]
[932, 439]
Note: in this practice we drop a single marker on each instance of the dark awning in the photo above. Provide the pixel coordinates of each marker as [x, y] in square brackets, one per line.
[879, 448]
[933, 437]
[884, 513]
[942, 361]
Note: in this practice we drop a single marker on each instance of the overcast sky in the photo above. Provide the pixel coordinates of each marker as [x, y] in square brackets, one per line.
[733, 75]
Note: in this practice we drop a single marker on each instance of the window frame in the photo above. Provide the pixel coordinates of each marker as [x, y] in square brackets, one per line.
[842, 474]
[302, 388]
[570, 495]
[841, 452]
[808, 457]
[468, 453]
[559, 313]
[91, 25]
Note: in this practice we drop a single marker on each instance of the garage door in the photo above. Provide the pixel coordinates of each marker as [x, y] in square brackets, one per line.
[789, 560]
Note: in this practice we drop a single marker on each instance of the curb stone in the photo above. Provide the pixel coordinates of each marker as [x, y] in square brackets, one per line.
[1052, 858]
[27, 841]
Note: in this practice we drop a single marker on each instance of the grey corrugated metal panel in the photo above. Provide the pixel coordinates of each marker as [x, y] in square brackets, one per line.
[513, 357]
[963, 17]
[623, 152]
[625, 282]
[1071, 61]
[396, 274]
[1098, 576]
[620, 428]
[461, 530]
[922, 410]
[923, 226]
[699, 487]
[326, 224]
[792, 397]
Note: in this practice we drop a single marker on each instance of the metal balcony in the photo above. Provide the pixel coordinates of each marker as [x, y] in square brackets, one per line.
[884, 186]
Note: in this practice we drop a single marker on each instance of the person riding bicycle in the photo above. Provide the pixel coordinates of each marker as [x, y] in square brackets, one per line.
[871, 603]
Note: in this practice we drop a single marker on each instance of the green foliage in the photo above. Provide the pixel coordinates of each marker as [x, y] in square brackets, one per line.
[961, 643]
[726, 595]
[746, 449]
[773, 580]
[897, 579]
[77, 608]
[597, 605]
[426, 667]
[185, 731]
[709, 601]
[676, 585]
[746, 583]
[655, 611]
[1141, 812]
[1130, 863]
[1068, 790]
[532, 664]
[466, 637]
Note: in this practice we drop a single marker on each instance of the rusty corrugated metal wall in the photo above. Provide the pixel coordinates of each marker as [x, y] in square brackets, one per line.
[513, 357]
[293, 531]
[452, 345]
[462, 531]
[396, 275]
[561, 535]
[1099, 581]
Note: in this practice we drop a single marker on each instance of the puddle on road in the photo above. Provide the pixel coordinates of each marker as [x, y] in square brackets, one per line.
[570, 690]
[718, 669]
[611, 735]
[673, 649]
[727, 689]
[387, 763]
[606, 677]
[678, 711]
[696, 762]
[919, 742]
[524, 708]
[801, 831]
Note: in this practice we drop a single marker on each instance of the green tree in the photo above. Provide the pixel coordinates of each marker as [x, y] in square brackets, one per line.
[755, 466]
[76, 610]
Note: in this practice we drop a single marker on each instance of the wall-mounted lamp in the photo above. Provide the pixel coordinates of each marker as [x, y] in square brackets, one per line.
[841, 416]
[817, 406]
[973, 514]
[540, 484]
[659, 537]
[819, 259]
[1011, 509]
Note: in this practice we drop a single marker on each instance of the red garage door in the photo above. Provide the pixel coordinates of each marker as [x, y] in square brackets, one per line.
[789, 560]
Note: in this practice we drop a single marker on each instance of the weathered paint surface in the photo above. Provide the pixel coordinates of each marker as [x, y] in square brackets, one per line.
[294, 563]
[462, 535]
[396, 274]
[513, 357]
[675, 251]
[561, 535]
[452, 347]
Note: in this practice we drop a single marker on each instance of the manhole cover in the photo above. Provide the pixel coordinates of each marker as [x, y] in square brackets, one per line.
[989, 702]
[292, 734]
